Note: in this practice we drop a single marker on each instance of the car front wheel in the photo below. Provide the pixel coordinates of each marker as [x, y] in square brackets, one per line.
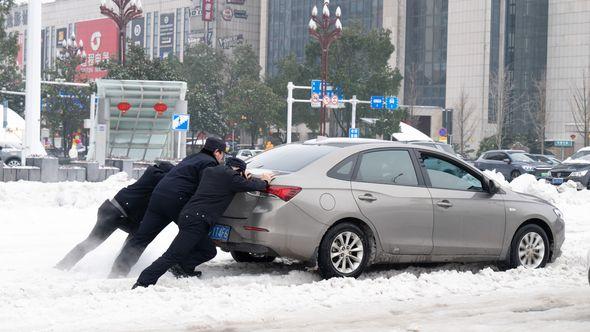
[344, 252]
[247, 257]
[530, 247]
[514, 175]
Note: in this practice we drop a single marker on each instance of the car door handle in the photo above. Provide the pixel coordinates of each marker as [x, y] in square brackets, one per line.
[368, 198]
[444, 204]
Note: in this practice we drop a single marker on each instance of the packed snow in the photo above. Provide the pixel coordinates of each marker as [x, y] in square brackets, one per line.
[41, 222]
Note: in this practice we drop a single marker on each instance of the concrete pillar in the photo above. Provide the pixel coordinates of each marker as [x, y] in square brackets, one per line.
[49, 168]
[32, 137]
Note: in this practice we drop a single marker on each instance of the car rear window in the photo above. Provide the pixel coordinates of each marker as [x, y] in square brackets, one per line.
[290, 158]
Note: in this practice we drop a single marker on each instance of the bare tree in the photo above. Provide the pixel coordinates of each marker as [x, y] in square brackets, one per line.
[580, 107]
[464, 124]
[411, 93]
[538, 110]
[502, 102]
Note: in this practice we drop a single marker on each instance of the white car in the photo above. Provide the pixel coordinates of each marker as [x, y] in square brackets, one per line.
[247, 153]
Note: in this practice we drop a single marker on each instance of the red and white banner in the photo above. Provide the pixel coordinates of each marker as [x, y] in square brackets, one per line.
[100, 41]
[208, 10]
[20, 56]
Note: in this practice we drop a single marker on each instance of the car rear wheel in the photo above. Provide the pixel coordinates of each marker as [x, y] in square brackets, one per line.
[248, 257]
[344, 252]
[530, 247]
[12, 162]
[514, 175]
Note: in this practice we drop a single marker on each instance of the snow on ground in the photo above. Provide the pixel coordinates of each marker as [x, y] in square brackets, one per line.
[41, 222]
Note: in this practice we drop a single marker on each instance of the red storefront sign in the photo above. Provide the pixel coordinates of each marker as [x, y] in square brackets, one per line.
[20, 59]
[208, 10]
[99, 38]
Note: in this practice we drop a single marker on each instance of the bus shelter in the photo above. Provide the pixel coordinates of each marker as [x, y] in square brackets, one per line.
[133, 120]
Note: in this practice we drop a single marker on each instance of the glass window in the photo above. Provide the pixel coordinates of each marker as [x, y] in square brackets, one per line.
[446, 175]
[522, 157]
[387, 167]
[343, 170]
[495, 156]
[289, 158]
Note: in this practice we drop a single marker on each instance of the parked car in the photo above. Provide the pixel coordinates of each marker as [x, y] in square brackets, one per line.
[345, 204]
[247, 153]
[544, 159]
[11, 156]
[575, 168]
[512, 163]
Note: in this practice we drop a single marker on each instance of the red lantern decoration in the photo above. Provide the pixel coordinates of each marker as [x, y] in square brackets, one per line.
[160, 108]
[123, 106]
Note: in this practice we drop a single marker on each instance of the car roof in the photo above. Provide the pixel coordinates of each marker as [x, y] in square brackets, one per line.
[342, 140]
[506, 151]
[587, 148]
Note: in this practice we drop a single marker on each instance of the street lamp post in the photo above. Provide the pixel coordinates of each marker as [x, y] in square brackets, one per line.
[70, 48]
[122, 13]
[321, 29]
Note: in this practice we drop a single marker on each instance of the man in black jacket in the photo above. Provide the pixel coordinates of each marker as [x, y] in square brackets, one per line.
[124, 212]
[168, 199]
[213, 196]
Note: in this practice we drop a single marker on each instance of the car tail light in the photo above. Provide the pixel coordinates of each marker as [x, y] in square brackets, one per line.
[255, 229]
[283, 192]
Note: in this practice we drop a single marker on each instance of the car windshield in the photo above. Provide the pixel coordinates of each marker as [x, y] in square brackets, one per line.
[581, 155]
[521, 157]
[290, 158]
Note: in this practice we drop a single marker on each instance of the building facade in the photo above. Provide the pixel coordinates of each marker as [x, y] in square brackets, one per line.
[167, 27]
[568, 66]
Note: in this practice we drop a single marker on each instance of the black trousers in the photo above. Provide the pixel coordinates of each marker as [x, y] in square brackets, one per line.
[109, 218]
[162, 210]
[192, 242]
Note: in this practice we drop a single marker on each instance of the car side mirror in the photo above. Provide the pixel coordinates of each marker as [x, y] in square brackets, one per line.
[506, 160]
[492, 188]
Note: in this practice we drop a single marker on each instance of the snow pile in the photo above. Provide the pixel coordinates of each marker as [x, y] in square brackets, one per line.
[41, 222]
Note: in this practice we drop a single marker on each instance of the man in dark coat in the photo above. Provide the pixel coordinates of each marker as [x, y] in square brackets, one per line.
[213, 196]
[124, 212]
[168, 199]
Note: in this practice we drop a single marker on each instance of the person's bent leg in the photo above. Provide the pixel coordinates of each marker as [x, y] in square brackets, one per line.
[151, 225]
[108, 220]
[191, 230]
[202, 252]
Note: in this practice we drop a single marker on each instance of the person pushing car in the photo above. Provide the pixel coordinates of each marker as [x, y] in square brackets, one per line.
[168, 199]
[124, 212]
[214, 195]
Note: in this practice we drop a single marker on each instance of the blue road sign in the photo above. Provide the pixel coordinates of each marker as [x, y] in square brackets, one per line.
[442, 132]
[180, 122]
[392, 102]
[563, 144]
[316, 86]
[377, 102]
[354, 132]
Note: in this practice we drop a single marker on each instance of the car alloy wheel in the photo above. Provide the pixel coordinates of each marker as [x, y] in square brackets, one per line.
[530, 247]
[514, 175]
[531, 250]
[344, 251]
[13, 163]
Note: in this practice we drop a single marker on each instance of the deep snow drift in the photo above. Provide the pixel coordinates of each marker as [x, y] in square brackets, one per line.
[41, 222]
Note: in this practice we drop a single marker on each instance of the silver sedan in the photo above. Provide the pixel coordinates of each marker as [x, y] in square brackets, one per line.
[344, 204]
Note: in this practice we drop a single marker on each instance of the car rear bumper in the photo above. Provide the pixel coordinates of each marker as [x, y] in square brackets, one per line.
[282, 229]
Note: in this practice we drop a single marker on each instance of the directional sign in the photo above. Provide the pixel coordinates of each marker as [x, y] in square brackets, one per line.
[316, 86]
[180, 122]
[392, 102]
[377, 102]
[354, 132]
[564, 144]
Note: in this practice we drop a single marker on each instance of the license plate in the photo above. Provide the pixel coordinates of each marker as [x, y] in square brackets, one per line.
[220, 233]
[557, 180]
[545, 175]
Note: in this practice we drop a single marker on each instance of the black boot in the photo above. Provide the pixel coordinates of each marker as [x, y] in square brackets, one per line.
[137, 284]
[180, 272]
